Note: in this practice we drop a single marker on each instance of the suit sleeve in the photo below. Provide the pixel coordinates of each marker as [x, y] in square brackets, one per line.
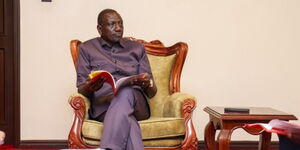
[144, 66]
[83, 66]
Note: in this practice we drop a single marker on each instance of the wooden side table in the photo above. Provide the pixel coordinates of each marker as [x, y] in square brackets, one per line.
[228, 122]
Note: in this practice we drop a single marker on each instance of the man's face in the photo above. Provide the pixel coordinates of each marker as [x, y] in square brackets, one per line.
[111, 28]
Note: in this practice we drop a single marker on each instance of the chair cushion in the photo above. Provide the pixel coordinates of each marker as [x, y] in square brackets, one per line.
[152, 128]
[165, 142]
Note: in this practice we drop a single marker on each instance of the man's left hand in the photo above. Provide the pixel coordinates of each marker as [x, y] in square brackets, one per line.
[142, 80]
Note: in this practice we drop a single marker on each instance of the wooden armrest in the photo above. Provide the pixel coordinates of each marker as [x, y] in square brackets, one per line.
[80, 105]
[78, 102]
[174, 105]
[183, 105]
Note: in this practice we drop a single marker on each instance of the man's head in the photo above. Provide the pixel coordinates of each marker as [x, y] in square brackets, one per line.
[110, 25]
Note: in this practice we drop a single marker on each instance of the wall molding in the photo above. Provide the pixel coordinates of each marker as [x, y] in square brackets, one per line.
[44, 144]
[61, 144]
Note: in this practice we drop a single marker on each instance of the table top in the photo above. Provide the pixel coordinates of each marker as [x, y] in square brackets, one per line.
[255, 113]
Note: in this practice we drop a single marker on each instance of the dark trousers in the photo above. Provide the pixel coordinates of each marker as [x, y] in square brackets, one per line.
[286, 144]
[121, 130]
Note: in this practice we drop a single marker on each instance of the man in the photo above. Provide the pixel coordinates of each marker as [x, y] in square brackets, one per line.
[121, 58]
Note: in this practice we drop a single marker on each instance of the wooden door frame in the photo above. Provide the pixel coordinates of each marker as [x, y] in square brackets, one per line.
[16, 74]
[10, 43]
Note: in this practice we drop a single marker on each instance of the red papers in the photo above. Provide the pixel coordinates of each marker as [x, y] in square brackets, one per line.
[276, 126]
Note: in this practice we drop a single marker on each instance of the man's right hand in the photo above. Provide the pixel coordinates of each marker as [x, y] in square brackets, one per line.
[89, 87]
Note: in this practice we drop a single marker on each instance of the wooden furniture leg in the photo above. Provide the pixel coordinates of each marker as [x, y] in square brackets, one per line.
[224, 139]
[264, 141]
[209, 138]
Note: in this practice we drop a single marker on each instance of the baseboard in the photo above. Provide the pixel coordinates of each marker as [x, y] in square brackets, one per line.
[61, 144]
[44, 144]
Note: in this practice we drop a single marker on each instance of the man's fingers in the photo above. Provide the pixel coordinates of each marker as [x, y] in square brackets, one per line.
[142, 80]
[101, 80]
[95, 85]
[144, 75]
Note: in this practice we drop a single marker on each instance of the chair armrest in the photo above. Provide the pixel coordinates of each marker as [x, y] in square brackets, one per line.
[80, 102]
[182, 105]
[80, 105]
[175, 103]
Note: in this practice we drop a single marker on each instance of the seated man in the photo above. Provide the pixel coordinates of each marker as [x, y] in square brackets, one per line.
[2, 137]
[121, 58]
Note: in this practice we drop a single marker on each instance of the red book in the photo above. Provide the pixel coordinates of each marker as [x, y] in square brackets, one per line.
[125, 81]
[276, 126]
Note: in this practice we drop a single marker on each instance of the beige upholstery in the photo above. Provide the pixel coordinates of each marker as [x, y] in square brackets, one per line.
[151, 129]
[167, 126]
[161, 68]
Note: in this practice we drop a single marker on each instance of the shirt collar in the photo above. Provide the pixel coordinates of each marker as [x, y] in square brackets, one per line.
[104, 43]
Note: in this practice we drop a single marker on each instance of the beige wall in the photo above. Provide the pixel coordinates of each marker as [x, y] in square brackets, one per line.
[241, 53]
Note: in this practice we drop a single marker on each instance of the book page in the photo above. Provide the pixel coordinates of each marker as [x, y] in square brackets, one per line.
[125, 81]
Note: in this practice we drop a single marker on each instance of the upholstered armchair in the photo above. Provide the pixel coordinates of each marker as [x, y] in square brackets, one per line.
[170, 125]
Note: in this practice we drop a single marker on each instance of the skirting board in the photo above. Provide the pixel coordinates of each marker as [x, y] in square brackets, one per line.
[44, 144]
[61, 144]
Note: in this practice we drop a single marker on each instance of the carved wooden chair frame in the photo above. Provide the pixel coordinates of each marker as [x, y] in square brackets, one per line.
[156, 48]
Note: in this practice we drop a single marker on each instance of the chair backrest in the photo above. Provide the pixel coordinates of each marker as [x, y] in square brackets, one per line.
[166, 65]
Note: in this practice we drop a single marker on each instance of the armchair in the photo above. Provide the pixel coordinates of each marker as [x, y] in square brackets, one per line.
[170, 124]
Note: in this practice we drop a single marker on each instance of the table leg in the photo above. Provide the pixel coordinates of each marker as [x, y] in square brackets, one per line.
[264, 141]
[209, 138]
[224, 139]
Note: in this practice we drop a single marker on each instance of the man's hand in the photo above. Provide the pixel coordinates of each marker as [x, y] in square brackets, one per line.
[89, 87]
[142, 80]
[95, 86]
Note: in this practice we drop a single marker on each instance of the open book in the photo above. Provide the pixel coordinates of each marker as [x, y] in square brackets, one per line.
[276, 126]
[125, 81]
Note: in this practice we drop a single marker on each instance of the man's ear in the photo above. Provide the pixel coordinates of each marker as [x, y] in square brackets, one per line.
[99, 28]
